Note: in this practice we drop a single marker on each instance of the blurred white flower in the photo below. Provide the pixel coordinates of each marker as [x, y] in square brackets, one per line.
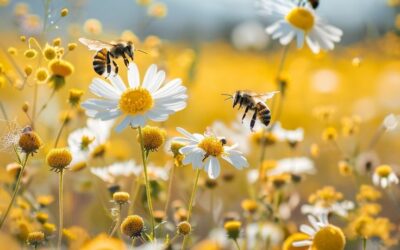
[341, 208]
[292, 136]
[296, 165]
[391, 122]
[249, 35]
[138, 103]
[384, 176]
[119, 169]
[299, 22]
[258, 233]
[203, 151]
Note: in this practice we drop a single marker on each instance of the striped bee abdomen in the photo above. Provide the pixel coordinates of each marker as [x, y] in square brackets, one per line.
[99, 61]
[265, 116]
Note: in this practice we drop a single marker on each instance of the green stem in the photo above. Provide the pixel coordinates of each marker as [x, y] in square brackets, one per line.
[192, 197]
[61, 208]
[171, 179]
[146, 179]
[364, 243]
[61, 129]
[16, 189]
[236, 244]
[135, 193]
[44, 105]
[117, 222]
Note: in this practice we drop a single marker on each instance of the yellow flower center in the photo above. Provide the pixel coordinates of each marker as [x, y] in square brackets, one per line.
[212, 146]
[383, 171]
[85, 142]
[329, 238]
[136, 101]
[301, 18]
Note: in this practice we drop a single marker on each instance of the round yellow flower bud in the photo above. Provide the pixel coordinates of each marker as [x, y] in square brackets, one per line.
[249, 206]
[157, 10]
[57, 41]
[232, 228]
[30, 53]
[29, 142]
[35, 238]
[329, 134]
[58, 158]
[42, 74]
[184, 228]
[64, 12]
[132, 226]
[22, 38]
[72, 46]
[153, 138]
[74, 97]
[12, 51]
[61, 67]
[28, 70]
[121, 197]
[49, 228]
[42, 217]
[49, 52]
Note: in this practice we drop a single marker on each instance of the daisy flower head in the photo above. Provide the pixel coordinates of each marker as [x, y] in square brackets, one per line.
[203, 151]
[322, 235]
[300, 22]
[138, 102]
[384, 176]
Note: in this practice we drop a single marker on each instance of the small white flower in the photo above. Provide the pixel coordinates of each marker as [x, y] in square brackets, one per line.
[384, 176]
[257, 232]
[340, 208]
[300, 23]
[119, 169]
[316, 224]
[82, 142]
[391, 122]
[296, 165]
[203, 151]
[291, 136]
[138, 103]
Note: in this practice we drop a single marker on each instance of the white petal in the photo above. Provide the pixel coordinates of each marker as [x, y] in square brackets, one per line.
[148, 78]
[133, 75]
[307, 230]
[103, 89]
[138, 120]
[286, 39]
[157, 81]
[186, 133]
[302, 243]
[312, 43]
[212, 167]
[123, 124]
[300, 39]
[117, 82]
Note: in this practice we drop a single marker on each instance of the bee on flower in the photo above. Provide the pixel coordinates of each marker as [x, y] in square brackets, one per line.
[203, 152]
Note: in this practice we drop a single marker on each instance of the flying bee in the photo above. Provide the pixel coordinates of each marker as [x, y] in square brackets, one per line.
[254, 102]
[314, 3]
[107, 52]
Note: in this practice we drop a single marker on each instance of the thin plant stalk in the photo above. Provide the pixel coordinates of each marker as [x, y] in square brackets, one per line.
[236, 244]
[61, 129]
[171, 179]
[61, 208]
[135, 193]
[146, 179]
[364, 243]
[16, 189]
[118, 221]
[192, 197]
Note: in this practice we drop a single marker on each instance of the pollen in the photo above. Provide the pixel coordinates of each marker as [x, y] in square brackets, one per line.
[132, 226]
[58, 158]
[383, 171]
[329, 238]
[212, 146]
[301, 18]
[232, 229]
[153, 138]
[136, 101]
[184, 228]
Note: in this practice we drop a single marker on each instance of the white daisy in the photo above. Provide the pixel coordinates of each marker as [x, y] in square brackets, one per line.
[85, 142]
[384, 176]
[299, 21]
[321, 233]
[295, 165]
[118, 169]
[293, 137]
[203, 151]
[138, 103]
[340, 208]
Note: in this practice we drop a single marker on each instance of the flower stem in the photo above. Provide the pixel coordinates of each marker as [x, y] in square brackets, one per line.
[171, 179]
[364, 243]
[61, 129]
[16, 189]
[146, 179]
[237, 244]
[61, 208]
[192, 196]
[117, 222]
[135, 192]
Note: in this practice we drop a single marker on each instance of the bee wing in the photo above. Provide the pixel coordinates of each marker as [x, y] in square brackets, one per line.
[95, 44]
[264, 97]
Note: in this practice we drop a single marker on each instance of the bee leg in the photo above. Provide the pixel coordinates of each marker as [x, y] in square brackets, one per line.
[236, 101]
[116, 67]
[126, 61]
[253, 120]
[108, 64]
[241, 103]
[245, 112]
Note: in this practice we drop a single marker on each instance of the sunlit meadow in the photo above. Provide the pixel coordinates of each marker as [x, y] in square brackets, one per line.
[259, 124]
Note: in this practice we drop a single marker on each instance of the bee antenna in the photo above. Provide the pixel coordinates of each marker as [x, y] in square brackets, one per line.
[142, 51]
[229, 96]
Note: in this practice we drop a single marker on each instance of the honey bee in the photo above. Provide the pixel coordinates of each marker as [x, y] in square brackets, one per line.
[107, 52]
[254, 102]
